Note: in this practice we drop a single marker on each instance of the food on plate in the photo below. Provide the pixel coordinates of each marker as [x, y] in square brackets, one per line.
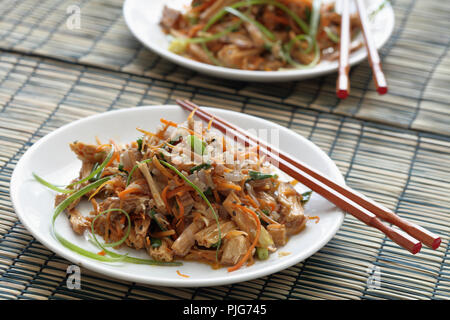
[265, 35]
[183, 192]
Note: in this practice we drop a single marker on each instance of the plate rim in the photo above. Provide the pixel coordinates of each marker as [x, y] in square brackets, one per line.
[248, 75]
[96, 266]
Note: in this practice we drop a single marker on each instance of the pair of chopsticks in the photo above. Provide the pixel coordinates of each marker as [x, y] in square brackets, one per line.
[343, 82]
[410, 236]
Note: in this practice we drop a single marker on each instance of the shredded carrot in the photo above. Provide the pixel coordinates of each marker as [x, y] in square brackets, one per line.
[192, 114]
[179, 190]
[181, 209]
[182, 275]
[148, 133]
[164, 198]
[216, 196]
[95, 206]
[102, 146]
[101, 253]
[168, 123]
[255, 241]
[163, 234]
[224, 144]
[317, 218]
[122, 194]
[210, 123]
[267, 218]
[278, 19]
[252, 202]
[223, 185]
[97, 139]
[293, 182]
[162, 169]
[99, 188]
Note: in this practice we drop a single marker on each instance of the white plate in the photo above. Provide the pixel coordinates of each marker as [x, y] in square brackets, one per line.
[142, 18]
[52, 159]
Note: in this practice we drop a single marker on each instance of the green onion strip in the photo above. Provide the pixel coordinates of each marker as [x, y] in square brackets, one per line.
[130, 175]
[96, 171]
[277, 4]
[113, 257]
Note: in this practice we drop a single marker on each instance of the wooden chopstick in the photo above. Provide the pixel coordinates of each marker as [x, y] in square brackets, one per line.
[374, 58]
[428, 238]
[343, 81]
[370, 207]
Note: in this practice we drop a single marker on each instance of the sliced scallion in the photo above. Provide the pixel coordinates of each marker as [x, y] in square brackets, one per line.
[130, 175]
[50, 185]
[246, 18]
[96, 171]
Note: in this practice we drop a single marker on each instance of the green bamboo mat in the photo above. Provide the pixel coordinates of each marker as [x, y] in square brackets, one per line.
[395, 148]
[416, 60]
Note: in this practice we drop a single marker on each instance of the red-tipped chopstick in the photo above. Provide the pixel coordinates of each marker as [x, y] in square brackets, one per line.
[356, 204]
[343, 82]
[374, 58]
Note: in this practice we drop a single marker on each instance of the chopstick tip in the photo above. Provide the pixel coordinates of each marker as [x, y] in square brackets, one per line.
[436, 243]
[342, 94]
[416, 248]
[382, 90]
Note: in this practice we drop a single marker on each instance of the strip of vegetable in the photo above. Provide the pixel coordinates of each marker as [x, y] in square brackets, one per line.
[277, 4]
[96, 171]
[331, 35]
[50, 185]
[246, 18]
[130, 175]
[119, 242]
[125, 257]
[314, 24]
[62, 206]
[113, 257]
[182, 176]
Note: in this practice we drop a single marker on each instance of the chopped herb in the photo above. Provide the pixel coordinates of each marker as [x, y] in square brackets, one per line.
[139, 142]
[262, 253]
[214, 245]
[197, 145]
[208, 192]
[97, 175]
[265, 211]
[162, 156]
[256, 175]
[176, 140]
[306, 196]
[200, 166]
[121, 169]
[152, 214]
[155, 242]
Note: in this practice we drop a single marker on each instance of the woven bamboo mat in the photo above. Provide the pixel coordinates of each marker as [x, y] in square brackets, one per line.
[395, 149]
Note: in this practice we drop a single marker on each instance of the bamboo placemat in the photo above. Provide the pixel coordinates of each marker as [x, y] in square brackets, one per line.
[395, 148]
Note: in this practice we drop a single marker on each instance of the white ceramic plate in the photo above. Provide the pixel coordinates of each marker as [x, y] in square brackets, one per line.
[142, 18]
[52, 159]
